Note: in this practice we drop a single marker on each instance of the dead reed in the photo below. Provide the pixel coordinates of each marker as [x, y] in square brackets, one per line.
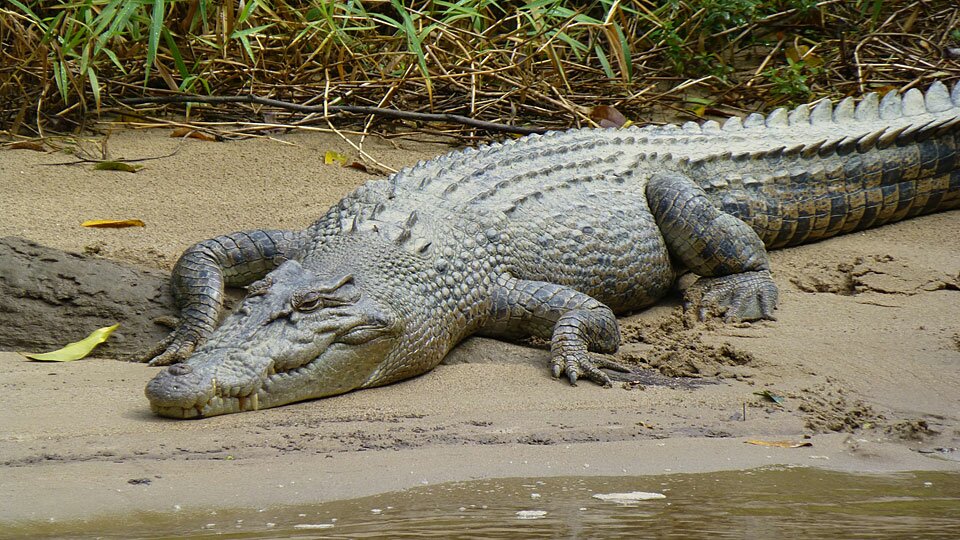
[539, 64]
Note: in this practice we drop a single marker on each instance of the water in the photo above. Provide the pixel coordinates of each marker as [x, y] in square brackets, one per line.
[763, 503]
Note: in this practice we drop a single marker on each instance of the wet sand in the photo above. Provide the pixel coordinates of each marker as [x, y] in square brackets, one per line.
[865, 353]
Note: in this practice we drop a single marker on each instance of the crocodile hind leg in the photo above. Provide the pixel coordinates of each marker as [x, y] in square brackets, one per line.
[728, 255]
[575, 323]
[200, 275]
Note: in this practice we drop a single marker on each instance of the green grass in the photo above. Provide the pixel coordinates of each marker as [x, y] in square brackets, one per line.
[539, 61]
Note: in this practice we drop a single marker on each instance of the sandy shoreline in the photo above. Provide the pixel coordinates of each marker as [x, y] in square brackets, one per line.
[866, 351]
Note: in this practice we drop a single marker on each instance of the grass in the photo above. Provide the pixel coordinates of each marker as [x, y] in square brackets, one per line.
[542, 62]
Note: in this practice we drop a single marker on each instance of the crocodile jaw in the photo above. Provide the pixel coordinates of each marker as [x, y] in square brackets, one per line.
[205, 385]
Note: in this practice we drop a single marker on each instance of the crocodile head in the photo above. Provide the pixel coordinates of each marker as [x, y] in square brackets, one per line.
[299, 334]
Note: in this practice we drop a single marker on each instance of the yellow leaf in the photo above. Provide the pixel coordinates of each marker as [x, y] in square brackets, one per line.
[112, 223]
[333, 158]
[77, 350]
[802, 52]
[780, 444]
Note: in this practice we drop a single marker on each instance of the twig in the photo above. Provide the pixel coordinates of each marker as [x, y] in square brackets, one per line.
[326, 116]
[80, 160]
[355, 109]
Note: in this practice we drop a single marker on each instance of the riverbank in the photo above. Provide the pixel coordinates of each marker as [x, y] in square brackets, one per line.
[865, 354]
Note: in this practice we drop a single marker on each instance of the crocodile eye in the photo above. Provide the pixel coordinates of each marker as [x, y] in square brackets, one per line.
[306, 301]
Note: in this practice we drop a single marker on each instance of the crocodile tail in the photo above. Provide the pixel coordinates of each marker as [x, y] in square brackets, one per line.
[814, 191]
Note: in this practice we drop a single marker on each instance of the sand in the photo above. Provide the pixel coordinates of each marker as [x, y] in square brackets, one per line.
[865, 354]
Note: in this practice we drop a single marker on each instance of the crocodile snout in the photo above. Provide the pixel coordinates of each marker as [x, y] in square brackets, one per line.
[178, 370]
[180, 386]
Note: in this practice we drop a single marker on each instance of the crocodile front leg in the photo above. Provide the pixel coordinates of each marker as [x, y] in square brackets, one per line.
[574, 322]
[721, 248]
[200, 275]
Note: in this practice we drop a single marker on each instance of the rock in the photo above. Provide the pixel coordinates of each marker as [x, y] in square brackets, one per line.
[49, 298]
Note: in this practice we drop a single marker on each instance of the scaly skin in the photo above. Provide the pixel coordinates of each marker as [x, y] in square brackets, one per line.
[549, 236]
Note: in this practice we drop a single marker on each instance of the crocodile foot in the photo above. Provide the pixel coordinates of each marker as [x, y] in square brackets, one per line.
[175, 348]
[747, 296]
[580, 365]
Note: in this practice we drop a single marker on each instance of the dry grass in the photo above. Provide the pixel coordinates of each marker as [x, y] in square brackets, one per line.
[544, 64]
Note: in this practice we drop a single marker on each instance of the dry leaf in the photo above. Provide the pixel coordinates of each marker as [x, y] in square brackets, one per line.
[77, 350]
[358, 166]
[607, 117]
[780, 444]
[192, 134]
[116, 166]
[27, 145]
[112, 223]
[770, 396]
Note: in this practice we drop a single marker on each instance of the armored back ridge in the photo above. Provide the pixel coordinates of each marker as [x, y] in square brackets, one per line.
[549, 236]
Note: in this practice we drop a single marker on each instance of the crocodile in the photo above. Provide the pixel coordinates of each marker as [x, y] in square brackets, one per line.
[549, 236]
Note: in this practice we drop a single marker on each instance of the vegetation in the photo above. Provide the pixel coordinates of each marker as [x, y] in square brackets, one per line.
[542, 62]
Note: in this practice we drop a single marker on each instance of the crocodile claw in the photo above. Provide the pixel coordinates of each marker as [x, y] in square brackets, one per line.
[747, 296]
[577, 366]
[175, 348]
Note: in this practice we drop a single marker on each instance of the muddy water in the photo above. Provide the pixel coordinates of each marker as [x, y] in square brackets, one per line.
[790, 503]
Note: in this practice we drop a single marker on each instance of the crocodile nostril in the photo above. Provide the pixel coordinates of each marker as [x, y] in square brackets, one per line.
[178, 370]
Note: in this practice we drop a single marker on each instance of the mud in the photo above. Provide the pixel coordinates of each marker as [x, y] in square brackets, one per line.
[43, 288]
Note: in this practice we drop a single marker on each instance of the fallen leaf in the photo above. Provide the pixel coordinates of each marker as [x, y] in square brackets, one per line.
[780, 444]
[770, 396]
[112, 223]
[116, 166]
[27, 145]
[76, 350]
[608, 117]
[699, 106]
[802, 52]
[334, 158]
[192, 134]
